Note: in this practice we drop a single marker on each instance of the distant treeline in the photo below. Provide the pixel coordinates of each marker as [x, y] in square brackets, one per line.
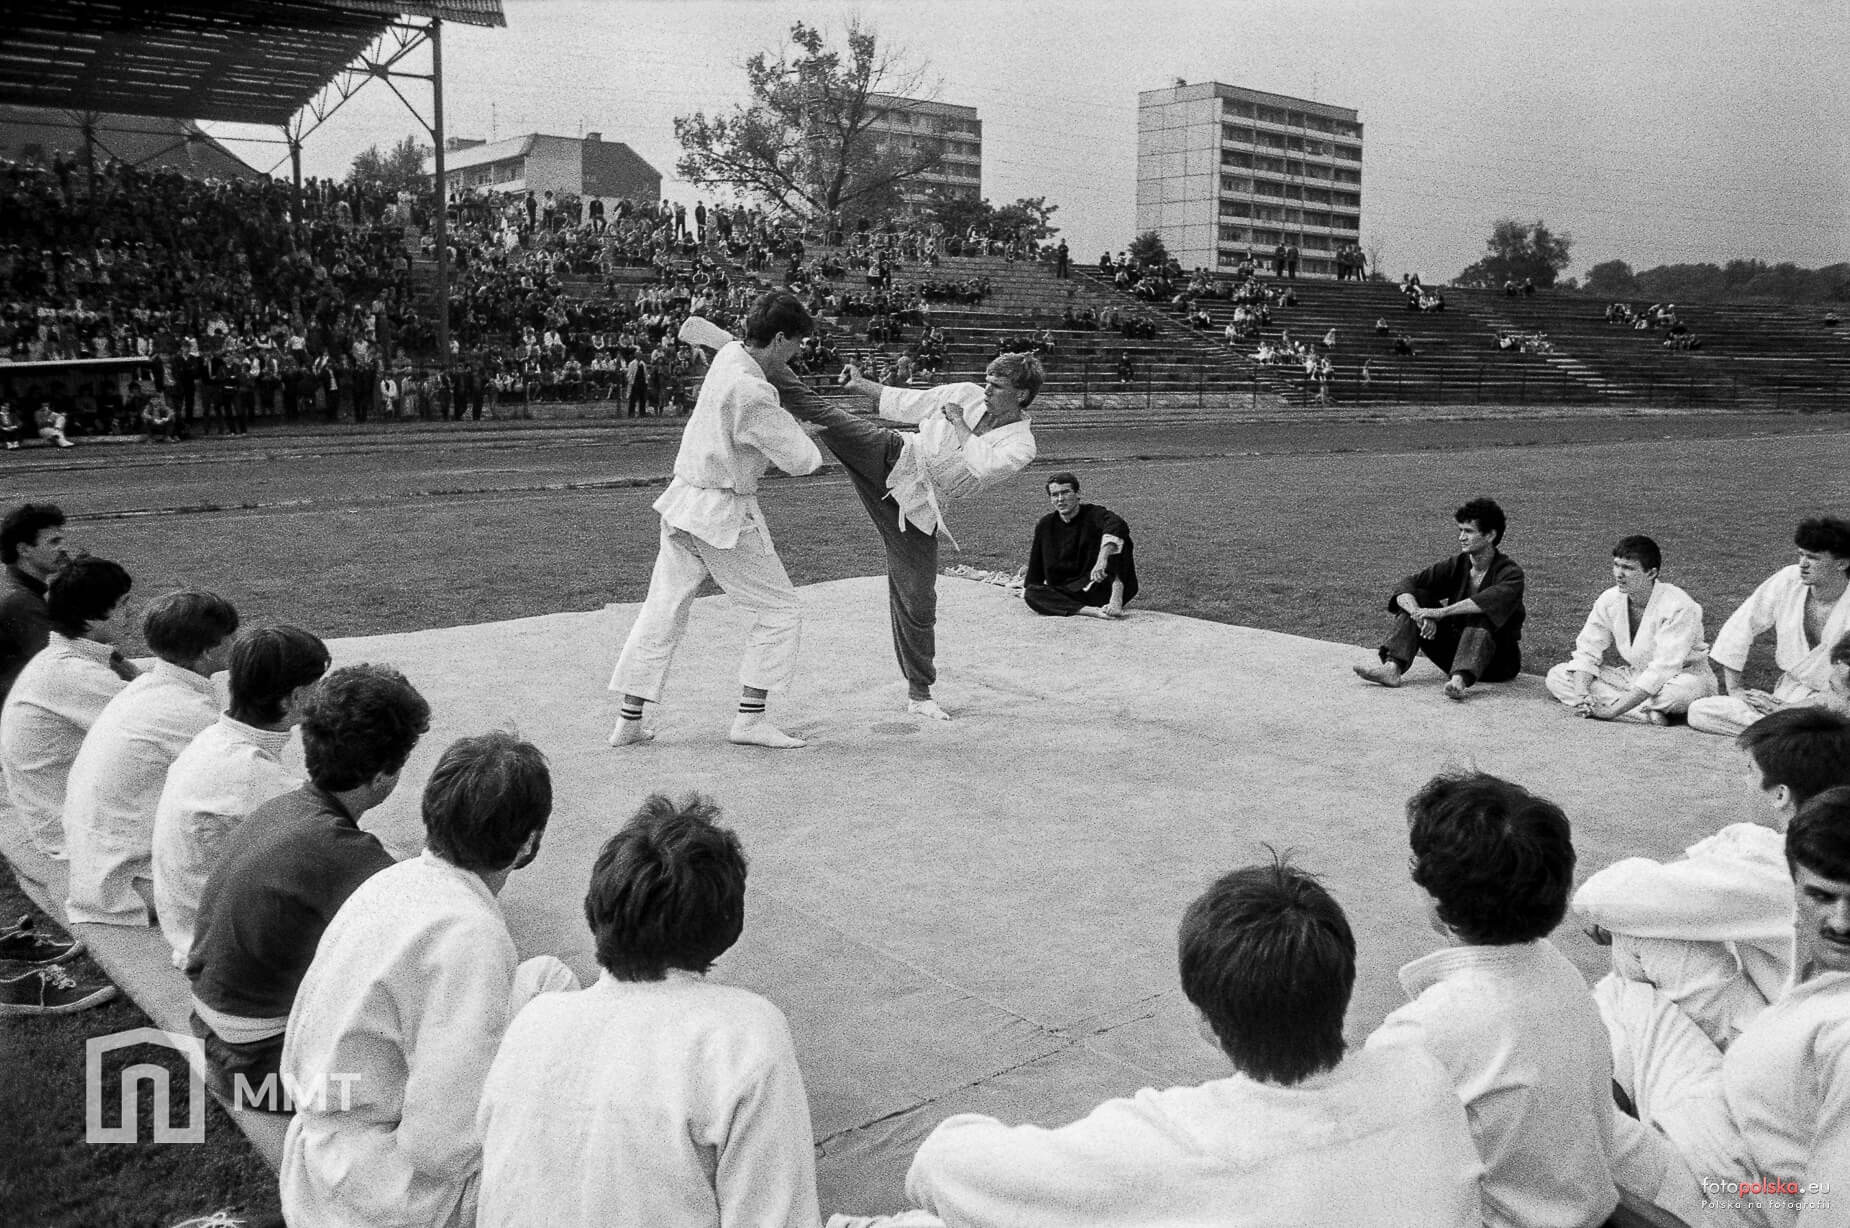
[1736, 280]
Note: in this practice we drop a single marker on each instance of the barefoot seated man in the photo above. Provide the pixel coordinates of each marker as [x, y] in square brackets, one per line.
[1081, 561]
[1807, 608]
[971, 437]
[712, 526]
[1655, 630]
[1465, 613]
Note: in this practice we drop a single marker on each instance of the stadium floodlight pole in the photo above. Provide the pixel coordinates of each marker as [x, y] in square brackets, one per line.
[443, 253]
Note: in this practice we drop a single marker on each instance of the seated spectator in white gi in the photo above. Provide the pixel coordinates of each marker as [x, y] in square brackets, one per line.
[654, 1099]
[1712, 930]
[411, 987]
[1767, 1124]
[1807, 607]
[1465, 613]
[1642, 655]
[1837, 697]
[230, 769]
[1300, 1135]
[1510, 1018]
[117, 776]
[63, 689]
[287, 868]
[1081, 561]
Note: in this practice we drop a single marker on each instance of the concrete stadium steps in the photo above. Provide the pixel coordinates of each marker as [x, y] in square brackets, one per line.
[1756, 356]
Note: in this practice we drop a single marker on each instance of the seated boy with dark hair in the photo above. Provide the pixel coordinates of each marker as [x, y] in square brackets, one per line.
[64, 688]
[411, 987]
[1510, 1018]
[116, 778]
[1712, 930]
[1301, 1133]
[654, 1097]
[288, 867]
[230, 769]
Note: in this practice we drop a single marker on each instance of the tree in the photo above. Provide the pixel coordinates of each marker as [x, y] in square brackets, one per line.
[805, 142]
[400, 169]
[1519, 252]
[1030, 217]
[1611, 279]
[1147, 249]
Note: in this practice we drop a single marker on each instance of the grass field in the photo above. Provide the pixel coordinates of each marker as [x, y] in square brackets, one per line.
[1305, 535]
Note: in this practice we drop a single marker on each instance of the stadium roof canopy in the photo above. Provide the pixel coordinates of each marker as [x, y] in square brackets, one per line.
[250, 62]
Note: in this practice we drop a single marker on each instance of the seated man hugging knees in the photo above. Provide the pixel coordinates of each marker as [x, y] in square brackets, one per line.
[1654, 630]
[1767, 1124]
[1712, 930]
[1081, 561]
[117, 777]
[1465, 613]
[656, 1098]
[410, 990]
[57, 698]
[1299, 1134]
[230, 769]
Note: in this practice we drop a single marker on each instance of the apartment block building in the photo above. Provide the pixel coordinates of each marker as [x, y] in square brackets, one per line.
[916, 123]
[1224, 172]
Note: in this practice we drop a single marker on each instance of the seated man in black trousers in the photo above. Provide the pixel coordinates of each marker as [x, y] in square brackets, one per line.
[1465, 613]
[1081, 560]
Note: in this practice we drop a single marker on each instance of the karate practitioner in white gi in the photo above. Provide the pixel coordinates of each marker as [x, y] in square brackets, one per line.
[1807, 607]
[712, 526]
[1655, 628]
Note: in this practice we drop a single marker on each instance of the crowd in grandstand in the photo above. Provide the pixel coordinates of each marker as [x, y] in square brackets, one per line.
[1677, 333]
[1715, 1051]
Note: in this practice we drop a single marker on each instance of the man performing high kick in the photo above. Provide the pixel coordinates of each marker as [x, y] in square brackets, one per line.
[971, 437]
[711, 526]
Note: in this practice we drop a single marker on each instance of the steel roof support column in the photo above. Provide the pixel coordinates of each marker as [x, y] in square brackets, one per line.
[442, 195]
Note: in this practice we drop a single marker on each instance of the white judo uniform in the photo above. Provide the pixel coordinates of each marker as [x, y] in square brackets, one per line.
[1667, 658]
[1778, 605]
[116, 783]
[712, 526]
[391, 1035]
[53, 705]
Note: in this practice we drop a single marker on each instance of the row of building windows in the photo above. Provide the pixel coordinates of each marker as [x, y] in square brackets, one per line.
[1266, 237]
[1287, 166]
[1293, 217]
[1290, 119]
[1290, 144]
[939, 124]
[1310, 267]
[1309, 195]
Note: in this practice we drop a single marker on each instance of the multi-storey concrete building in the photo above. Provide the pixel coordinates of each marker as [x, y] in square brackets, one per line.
[1224, 171]
[563, 165]
[915, 123]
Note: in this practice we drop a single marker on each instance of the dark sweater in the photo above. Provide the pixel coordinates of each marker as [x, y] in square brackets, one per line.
[284, 872]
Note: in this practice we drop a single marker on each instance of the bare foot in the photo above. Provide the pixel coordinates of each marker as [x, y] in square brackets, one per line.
[1113, 610]
[630, 733]
[1455, 688]
[757, 731]
[1386, 674]
[927, 707]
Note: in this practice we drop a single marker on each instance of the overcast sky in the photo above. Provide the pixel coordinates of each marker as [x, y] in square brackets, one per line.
[1651, 131]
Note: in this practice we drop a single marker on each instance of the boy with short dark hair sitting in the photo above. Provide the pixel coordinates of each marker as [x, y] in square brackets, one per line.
[655, 1097]
[1510, 1018]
